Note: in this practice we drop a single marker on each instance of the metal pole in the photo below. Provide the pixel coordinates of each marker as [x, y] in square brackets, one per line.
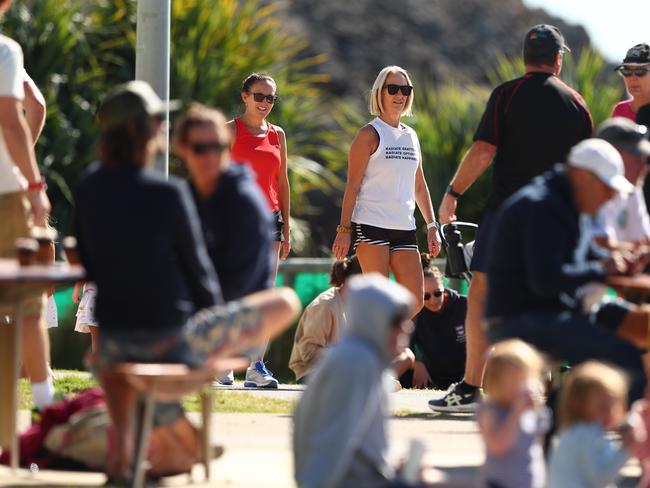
[152, 56]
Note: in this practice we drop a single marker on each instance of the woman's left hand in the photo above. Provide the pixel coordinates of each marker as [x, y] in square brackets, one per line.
[433, 241]
[285, 247]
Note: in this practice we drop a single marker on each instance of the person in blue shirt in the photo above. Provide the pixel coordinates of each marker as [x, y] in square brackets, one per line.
[437, 350]
[236, 223]
[540, 262]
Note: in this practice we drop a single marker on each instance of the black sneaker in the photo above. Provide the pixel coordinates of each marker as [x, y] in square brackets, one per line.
[456, 400]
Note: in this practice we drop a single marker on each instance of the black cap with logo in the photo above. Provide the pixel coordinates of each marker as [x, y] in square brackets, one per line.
[544, 39]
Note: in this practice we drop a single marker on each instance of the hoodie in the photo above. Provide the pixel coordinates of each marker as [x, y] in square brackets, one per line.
[340, 438]
[238, 227]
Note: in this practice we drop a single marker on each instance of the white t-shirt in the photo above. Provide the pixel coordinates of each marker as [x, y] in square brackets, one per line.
[387, 195]
[11, 85]
[624, 220]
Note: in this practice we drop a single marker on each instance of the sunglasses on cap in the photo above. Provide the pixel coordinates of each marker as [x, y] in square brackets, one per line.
[260, 97]
[202, 148]
[393, 89]
[437, 294]
[626, 71]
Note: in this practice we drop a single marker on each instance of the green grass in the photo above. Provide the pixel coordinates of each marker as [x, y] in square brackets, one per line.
[224, 401]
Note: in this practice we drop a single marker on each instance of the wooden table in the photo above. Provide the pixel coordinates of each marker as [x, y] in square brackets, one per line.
[15, 283]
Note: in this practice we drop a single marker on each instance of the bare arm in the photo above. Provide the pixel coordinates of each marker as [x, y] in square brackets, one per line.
[364, 144]
[285, 192]
[477, 159]
[19, 144]
[35, 109]
[423, 199]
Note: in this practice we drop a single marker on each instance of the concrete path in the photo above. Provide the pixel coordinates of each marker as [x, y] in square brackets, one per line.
[258, 447]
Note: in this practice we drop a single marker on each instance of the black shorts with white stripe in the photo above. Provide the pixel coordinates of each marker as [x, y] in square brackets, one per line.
[394, 239]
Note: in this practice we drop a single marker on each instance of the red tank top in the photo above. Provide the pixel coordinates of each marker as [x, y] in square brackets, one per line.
[262, 154]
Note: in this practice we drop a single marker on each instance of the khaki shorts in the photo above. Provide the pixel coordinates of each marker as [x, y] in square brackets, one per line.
[16, 218]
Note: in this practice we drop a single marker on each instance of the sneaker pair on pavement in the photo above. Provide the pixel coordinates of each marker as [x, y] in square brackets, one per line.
[460, 398]
[257, 376]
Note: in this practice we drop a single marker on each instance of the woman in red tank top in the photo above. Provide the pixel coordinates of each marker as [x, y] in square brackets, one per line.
[263, 147]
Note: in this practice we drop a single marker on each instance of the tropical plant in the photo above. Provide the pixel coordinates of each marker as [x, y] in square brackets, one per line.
[76, 50]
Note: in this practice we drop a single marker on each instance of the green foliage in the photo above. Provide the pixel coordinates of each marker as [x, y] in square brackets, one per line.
[445, 120]
[77, 50]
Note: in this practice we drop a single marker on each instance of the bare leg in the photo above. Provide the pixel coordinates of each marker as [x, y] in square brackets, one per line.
[120, 400]
[476, 341]
[274, 271]
[373, 258]
[94, 338]
[402, 363]
[35, 348]
[407, 268]
[277, 307]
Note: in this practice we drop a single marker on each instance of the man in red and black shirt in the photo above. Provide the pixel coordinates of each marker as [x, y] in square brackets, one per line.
[529, 124]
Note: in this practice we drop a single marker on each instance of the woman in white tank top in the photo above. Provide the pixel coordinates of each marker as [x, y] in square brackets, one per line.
[385, 183]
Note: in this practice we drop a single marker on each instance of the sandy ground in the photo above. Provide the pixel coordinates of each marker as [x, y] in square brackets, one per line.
[258, 448]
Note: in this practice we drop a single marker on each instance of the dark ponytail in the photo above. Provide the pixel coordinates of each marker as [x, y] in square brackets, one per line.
[254, 78]
[342, 270]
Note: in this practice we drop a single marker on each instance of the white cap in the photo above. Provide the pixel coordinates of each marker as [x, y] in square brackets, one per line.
[602, 159]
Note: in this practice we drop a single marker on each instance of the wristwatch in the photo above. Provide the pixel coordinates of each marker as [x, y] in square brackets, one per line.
[452, 192]
[433, 225]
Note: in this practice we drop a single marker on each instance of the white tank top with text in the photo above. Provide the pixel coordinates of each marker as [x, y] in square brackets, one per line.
[387, 195]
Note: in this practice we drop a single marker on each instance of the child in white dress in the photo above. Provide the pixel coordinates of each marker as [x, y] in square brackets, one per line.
[84, 294]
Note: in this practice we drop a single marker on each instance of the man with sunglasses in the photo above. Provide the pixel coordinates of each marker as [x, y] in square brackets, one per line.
[634, 70]
[529, 124]
[437, 349]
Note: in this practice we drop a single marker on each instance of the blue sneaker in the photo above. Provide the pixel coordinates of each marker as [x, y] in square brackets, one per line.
[257, 376]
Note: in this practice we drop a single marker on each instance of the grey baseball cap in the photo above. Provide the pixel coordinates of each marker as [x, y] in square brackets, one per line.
[127, 101]
[624, 134]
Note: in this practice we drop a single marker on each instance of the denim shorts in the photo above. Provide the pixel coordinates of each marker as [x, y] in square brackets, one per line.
[205, 334]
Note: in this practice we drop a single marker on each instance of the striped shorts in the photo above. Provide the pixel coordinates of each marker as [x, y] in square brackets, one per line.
[395, 240]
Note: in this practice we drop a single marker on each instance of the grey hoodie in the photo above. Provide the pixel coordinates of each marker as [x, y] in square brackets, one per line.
[339, 437]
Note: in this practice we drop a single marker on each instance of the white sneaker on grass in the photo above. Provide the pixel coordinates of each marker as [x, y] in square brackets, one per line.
[224, 379]
[257, 376]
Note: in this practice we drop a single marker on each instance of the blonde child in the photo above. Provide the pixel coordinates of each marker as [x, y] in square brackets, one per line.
[512, 419]
[592, 402]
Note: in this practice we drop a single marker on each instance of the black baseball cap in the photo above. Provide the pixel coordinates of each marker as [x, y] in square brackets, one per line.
[639, 54]
[129, 100]
[544, 39]
[624, 134]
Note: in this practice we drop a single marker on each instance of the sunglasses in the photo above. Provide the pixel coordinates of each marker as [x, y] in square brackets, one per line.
[260, 97]
[208, 147]
[627, 72]
[437, 294]
[393, 89]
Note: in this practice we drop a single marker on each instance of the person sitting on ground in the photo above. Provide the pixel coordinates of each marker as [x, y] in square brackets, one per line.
[540, 260]
[512, 419]
[436, 356]
[322, 321]
[340, 434]
[625, 221]
[592, 402]
[236, 223]
[139, 238]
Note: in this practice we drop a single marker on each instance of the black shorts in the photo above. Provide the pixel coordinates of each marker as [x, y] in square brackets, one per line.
[482, 242]
[395, 240]
[278, 226]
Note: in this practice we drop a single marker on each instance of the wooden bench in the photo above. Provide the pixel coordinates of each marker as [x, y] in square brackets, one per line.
[169, 382]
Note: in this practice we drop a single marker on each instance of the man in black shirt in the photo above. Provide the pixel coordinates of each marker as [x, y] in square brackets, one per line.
[529, 124]
[439, 336]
